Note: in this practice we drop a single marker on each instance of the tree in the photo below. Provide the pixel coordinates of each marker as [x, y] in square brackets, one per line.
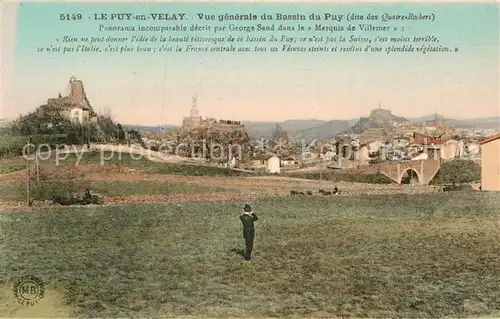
[120, 133]
[134, 135]
[107, 126]
[49, 126]
[40, 123]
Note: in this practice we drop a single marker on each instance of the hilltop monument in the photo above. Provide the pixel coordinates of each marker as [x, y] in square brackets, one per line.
[194, 120]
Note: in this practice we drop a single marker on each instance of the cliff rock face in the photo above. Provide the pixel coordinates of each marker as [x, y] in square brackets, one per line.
[379, 118]
[214, 144]
[280, 134]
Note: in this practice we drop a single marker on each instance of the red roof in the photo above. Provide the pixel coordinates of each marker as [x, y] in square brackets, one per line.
[419, 138]
[437, 142]
[490, 139]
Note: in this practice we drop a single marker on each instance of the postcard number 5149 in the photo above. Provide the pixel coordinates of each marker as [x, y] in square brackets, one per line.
[67, 16]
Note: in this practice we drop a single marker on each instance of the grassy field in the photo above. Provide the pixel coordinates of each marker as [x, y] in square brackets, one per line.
[410, 256]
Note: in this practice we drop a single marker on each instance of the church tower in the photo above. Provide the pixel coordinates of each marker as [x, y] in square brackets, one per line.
[194, 107]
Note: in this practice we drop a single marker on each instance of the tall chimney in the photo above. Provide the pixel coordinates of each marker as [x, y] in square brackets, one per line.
[77, 94]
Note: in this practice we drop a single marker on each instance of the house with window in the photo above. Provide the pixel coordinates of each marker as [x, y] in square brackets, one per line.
[288, 161]
[267, 163]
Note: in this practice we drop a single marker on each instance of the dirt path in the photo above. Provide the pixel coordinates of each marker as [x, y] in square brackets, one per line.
[178, 198]
[13, 176]
[143, 199]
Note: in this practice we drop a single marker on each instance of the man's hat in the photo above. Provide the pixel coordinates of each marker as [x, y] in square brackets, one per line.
[247, 208]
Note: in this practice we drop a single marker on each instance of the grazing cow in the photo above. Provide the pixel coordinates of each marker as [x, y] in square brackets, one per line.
[292, 192]
[301, 193]
[321, 191]
[65, 200]
[309, 193]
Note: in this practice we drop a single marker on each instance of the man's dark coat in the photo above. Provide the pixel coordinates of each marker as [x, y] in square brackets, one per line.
[248, 219]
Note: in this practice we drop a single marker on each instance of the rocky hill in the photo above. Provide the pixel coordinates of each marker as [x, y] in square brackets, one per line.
[213, 139]
[378, 118]
[280, 134]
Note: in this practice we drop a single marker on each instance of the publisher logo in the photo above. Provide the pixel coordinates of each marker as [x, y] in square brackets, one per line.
[28, 290]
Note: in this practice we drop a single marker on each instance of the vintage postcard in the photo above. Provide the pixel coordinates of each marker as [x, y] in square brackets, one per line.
[249, 160]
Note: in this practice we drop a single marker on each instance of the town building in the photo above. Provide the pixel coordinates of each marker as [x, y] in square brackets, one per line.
[424, 139]
[75, 106]
[472, 149]
[273, 165]
[371, 135]
[452, 149]
[490, 163]
[267, 163]
[430, 128]
[232, 163]
[288, 161]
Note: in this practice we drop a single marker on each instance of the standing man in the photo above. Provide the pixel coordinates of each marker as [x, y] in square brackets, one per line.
[247, 219]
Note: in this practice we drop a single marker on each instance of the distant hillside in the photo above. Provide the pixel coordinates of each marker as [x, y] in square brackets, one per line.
[267, 129]
[260, 129]
[378, 118]
[254, 129]
[427, 118]
[324, 131]
[300, 125]
[320, 129]
[479, 123]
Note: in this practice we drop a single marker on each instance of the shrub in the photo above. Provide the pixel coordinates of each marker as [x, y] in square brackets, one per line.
[457, 172]
[376, 178]
[48, 190]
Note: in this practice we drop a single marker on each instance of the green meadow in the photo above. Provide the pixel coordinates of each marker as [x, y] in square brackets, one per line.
[375, 256]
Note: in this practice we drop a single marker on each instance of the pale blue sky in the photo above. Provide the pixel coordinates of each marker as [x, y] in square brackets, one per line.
[264, 86]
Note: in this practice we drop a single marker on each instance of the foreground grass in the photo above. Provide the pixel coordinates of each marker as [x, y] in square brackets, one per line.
[16, 190]
[11, 166]
[387, 256]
